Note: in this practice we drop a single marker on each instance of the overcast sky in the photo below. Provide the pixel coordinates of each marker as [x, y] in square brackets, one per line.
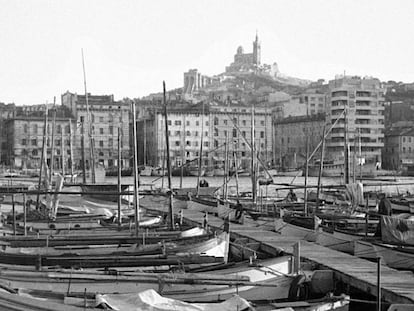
[130, 47]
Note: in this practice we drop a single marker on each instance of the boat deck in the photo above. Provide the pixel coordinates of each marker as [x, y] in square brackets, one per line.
[397, 286]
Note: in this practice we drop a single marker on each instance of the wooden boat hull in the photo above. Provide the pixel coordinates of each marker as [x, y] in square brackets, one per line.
[364, 249]
[287, 229]
[274, 271]
[290, 173]
[100, 191]
[337, 240]
[395, 258]
[96, 257]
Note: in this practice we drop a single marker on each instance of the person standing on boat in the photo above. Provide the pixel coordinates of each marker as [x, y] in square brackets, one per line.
[204, 183]
[384, 209]
[239, 213]
[291, 197]
[384, 206]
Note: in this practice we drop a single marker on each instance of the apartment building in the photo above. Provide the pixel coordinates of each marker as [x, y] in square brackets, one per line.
[291, 136]
[220, 123]
[25, 137]
[358, 103]
[187, 126]
[98, 121]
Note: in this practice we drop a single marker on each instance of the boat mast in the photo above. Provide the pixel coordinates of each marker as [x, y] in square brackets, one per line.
[71, 151]
[52, 156]
[265, 142]
[119, 179]
[62, 151]
[305, 196]
[136, 175]
[253, 165]
[42, 159]
[320, 168]
[83, 150]
[145, 142]
[167, 141]
[200, 158]
[91, 139]
[182, 153]
[346, 151]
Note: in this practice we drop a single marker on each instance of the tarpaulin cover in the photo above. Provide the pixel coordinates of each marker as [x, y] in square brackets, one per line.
[397, 230]
[150, 300]
[355, 192]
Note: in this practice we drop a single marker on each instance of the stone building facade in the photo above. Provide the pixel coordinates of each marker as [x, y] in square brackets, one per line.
[186, 124]
[25, 135]
[291, 135]
[101, 126]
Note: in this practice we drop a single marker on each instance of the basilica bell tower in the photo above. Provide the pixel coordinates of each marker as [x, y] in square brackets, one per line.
[256, 51]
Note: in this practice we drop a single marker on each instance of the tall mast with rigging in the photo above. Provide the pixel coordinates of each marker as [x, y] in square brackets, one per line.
[200, 158]
[167, 143]
[88, 116]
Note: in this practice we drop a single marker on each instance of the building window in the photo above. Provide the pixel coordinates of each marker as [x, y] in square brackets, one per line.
[188, 143]
[234, 133]
[206, 123]
[101, 131]
[197, 123]
[206, 144]
[216, 121]
[35, 129]
[403, 139]
[196, 133]
[34, 152]
[196, 143]
[188, 133]
[169, 122]
[177, 133]
[177, 122]
[244, 133]
[216, 132]
[205, 134]
[177, 143]
[169, 133]
[57, 142]
[25, 128]
[67, 129]
[244, 122]
[34, 142]
[23, 142]
[225, 122]
[101, 143]
[110, 142]
[101, 119]
[111, 130]
[188, 123]
[261, 134]
[59, 129]
[262, 122]
[235, 121]
[101, 154]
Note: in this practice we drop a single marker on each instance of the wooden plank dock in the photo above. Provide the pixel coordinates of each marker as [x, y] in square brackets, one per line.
[396, 286]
